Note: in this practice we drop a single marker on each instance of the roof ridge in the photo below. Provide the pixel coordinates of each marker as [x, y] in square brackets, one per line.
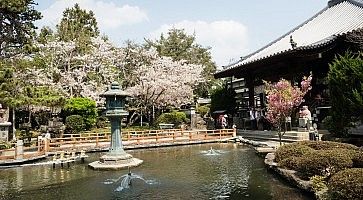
[332, 3]
[284, 35]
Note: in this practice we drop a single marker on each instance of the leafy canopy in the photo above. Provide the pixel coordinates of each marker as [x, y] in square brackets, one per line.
[16, 25]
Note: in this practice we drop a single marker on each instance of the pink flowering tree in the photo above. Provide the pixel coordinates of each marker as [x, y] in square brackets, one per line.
[282, 98]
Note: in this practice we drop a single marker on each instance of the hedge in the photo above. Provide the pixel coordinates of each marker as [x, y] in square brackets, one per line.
[324, 162]
[358, 159]
[291, 150]
[347, 184]
[327, 145]
[74, 124]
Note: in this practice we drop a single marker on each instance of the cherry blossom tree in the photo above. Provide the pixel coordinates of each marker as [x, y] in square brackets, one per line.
[78, 74]
[163, 83]
[282, 98]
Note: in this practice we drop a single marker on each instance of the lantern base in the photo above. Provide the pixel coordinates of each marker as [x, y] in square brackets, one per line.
[115, 162]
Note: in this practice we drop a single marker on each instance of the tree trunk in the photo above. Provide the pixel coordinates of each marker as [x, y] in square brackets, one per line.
[280, 134]
[13, 124]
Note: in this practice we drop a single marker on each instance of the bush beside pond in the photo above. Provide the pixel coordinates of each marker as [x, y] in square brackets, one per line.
[329, 160]
[291, 150]
[347, 184]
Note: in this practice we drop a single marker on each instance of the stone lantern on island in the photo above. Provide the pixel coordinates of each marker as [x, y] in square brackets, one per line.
[116, 158]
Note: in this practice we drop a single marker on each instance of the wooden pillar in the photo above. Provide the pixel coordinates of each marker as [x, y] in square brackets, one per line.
[46, 145]
[251, 90]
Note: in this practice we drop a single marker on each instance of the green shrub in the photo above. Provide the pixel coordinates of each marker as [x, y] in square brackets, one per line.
[323, 162]
[327, 145]
[203, 110]
[84, 107]
[4, 145]
[102, 122]
[358, 159]
[318, 183]
[347, 184]
[174, 117]
[291, 150]
[74, 124]
[289, 163]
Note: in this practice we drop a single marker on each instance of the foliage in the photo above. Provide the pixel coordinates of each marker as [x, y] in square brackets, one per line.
[289, 163]
[327, 145]
[318, 183]
[203, 110]
[328, 123]
[323, 162]
[358, 159]
[291, 150]
[345, 78]
[84, 107]
[222, 98]
[162, 83]
[321, 158]
[102, 122]
[347, 184]
[176, 118]
[17, 28]
[282, 97]
[74, 74]
[180, 46]
[78, 25]
[74, 124]
[4, 145]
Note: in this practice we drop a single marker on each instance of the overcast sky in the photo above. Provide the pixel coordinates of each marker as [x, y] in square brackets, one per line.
[232, 28]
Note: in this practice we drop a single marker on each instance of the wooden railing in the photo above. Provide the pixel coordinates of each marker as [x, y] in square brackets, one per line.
[101, 140]
[37, 149]
[89, 140]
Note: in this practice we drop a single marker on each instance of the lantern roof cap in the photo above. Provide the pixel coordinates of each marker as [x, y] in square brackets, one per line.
[114, 90]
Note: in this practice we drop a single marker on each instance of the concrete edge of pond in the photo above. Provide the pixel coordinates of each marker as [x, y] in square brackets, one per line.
[289, 175]
[19, 162]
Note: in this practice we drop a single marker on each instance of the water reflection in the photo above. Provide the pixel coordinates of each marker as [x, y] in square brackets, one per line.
[167, 173]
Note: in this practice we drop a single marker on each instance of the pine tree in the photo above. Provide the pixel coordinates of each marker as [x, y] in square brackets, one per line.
[16, 25]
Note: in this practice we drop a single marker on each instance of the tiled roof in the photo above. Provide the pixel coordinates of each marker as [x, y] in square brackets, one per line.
[339, 18]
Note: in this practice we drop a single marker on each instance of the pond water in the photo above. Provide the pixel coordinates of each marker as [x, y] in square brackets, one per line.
[229, 171]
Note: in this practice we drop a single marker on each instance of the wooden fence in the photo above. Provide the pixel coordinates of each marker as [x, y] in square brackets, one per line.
[94, 141]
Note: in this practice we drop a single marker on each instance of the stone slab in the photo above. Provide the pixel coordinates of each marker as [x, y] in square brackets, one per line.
[115, 165]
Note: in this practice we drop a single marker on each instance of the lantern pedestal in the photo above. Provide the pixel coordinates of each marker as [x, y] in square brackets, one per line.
[116, 158]
[113, 162]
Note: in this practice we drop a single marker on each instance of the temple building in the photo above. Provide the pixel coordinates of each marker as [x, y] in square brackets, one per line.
[310, 47]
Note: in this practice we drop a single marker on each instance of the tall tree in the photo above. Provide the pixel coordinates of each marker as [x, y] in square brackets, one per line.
[223, 98]
[78, 25]
[77, 22]
[16, 25]
[345, 78]
[181, 46]
[163, 83]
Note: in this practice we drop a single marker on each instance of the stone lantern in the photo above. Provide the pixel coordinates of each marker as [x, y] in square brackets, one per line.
[116, 158]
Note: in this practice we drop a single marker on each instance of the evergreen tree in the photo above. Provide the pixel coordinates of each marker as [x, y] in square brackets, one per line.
[223, 98]
[345, 79]
[16, 25]
[78, 25]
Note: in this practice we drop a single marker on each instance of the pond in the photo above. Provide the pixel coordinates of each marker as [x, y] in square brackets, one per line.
[208, 171]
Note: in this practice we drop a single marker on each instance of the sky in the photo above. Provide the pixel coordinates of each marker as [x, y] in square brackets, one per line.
[232, 28]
